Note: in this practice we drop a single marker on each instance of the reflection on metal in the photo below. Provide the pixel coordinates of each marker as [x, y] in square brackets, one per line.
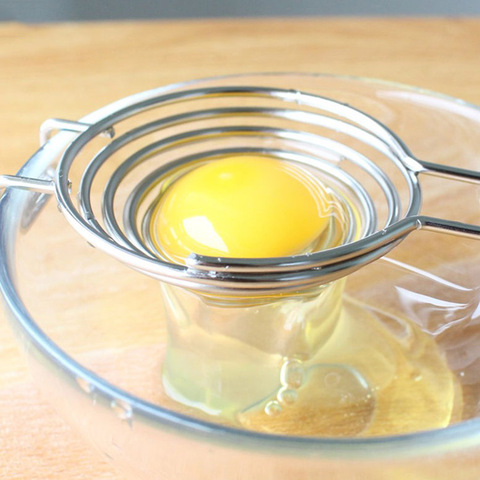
[345, 146]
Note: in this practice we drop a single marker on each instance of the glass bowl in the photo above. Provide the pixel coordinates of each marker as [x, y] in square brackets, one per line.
[94, 331]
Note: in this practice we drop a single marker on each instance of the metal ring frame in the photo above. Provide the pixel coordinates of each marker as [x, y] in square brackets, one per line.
[283, 123]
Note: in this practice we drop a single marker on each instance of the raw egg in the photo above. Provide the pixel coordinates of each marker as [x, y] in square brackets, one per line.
[242, 206]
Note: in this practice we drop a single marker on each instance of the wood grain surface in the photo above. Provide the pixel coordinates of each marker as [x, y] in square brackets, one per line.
[67, 70]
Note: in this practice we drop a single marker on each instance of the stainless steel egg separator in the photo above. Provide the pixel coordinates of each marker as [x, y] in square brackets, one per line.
[207, 123]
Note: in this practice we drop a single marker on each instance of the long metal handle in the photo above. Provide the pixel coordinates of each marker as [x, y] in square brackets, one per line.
[447, 171]
[450, 226]
[462, 229]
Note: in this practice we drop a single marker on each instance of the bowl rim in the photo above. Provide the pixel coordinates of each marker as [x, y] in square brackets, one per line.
[463, 434]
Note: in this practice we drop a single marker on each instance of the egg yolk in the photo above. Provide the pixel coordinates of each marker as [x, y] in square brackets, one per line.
[241, 206]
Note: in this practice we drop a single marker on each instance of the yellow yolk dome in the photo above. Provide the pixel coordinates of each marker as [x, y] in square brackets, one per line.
[242, 206]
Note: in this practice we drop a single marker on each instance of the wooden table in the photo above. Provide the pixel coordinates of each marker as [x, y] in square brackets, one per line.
[67, 70]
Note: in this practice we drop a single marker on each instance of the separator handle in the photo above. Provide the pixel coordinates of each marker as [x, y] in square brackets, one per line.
[450, 226]
[447, 171]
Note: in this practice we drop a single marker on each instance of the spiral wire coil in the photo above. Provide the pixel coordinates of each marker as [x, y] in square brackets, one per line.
[361, 157]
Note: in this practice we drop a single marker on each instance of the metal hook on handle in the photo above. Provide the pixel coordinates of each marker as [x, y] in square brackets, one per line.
[56, 124]
[47, 128]
[27, 183]
[43, 188]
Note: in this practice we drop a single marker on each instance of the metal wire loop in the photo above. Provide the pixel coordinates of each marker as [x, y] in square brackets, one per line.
[349, 149]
